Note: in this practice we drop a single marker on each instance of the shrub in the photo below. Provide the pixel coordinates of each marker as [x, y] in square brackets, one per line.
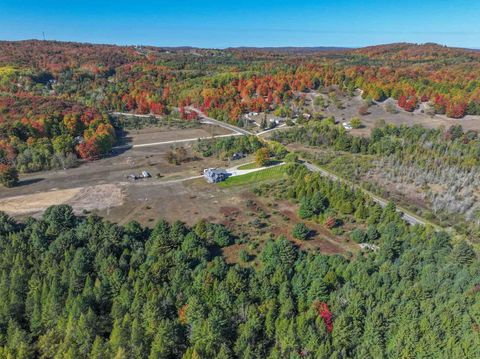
[356, 122]
[301, 231]
[291, 157]
[330, 120]
[391, 108]
[357, 235]
[330, 222]
[262, 157]
[8, 175]
[244, 256]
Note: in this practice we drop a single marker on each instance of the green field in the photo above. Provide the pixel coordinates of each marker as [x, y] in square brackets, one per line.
[248, 166]
[254, 177]
[252, 165]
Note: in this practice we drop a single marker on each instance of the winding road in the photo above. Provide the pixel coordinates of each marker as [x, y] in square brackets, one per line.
[237, 131]
[205, 119]
[382, 202]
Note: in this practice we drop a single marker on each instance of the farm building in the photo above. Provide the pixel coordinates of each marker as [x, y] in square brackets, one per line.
[214, 175]
[276, 121]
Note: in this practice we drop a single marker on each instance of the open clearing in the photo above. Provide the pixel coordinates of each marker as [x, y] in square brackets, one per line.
[174, 192]
[160, 134]
[38, 190]
[86, 198]
[351, 105]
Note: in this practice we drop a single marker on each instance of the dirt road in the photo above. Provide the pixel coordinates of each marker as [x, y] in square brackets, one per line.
[382, 202]
[173, 141]
[219, 123]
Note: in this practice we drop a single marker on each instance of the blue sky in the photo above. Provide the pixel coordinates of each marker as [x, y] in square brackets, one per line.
[222, 24]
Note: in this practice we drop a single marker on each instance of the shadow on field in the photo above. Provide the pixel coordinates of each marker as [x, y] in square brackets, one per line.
[29, 182]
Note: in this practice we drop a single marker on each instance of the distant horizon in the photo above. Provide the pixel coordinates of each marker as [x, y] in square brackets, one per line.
[220, 24]
[336, 47]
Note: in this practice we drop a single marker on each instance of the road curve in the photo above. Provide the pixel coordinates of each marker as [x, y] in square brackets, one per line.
[205, 118]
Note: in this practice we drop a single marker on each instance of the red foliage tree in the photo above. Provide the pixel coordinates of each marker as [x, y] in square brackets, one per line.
[157, 108]
[191, 116]
[439, 104]
[411, 104]
[457, 110]
[407, 103]
[89, 149]
[402, 100]
[326, 314]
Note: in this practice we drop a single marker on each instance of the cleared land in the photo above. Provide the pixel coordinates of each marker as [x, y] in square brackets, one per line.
[174, 192]
[83, 198]
[350, 106]
[161, 134]
[37, 191]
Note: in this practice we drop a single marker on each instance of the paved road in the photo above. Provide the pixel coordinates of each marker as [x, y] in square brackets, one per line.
[407, 217]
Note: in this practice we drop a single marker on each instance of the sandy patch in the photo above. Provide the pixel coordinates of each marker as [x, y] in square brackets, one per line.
[36, 202]
[92, 197]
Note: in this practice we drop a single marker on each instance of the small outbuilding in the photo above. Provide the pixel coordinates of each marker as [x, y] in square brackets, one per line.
[238, 156]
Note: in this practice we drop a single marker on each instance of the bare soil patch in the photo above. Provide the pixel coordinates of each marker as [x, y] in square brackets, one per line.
[97, 197]
[83, 198]
[32, 203]
[351, 105]
[159, 134]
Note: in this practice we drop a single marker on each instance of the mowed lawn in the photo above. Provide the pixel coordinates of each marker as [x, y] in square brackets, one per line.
[248, 166]
[252, 165]
[254, 177]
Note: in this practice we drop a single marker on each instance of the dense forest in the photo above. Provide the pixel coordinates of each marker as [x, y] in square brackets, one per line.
[81, 287]
[55, 97]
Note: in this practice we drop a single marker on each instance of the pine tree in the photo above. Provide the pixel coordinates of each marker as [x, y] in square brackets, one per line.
[165, 344]
[98, 349]
[223, 353]
[463, 253]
